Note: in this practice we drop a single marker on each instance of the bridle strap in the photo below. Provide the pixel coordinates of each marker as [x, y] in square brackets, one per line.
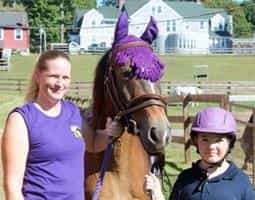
[131, 44]
[144, 97]
[143, 101]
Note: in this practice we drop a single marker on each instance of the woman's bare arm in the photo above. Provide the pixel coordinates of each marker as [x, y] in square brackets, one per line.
[15, 147]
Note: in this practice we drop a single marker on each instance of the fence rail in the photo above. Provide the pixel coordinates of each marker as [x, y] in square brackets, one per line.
[84, 89]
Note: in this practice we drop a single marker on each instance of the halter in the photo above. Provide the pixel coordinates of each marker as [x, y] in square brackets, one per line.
[123, 109]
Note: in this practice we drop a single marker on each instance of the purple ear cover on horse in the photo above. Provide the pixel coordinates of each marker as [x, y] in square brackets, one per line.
[121, 29]
[145, 63]
[150, 32]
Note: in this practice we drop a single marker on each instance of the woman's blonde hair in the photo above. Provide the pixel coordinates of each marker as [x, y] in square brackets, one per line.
[40, 66]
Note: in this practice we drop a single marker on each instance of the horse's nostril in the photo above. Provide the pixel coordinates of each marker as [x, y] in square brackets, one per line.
[153, 134]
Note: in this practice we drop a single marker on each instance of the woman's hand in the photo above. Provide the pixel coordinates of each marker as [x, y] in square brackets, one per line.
[113, 128]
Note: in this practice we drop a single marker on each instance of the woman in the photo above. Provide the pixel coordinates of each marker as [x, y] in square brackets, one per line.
[213, 132]
[42, 147]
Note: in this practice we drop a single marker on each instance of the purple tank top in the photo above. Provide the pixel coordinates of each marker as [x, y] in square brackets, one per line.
[55, 165]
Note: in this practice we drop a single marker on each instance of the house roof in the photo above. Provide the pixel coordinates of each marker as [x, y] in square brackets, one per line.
[186, 9]
[13, 19]
[194, 10]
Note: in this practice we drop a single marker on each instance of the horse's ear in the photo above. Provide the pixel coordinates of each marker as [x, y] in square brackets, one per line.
[150, 32]
[121, 29]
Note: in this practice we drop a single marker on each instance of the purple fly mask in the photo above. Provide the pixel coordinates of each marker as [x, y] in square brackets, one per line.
[145, 63]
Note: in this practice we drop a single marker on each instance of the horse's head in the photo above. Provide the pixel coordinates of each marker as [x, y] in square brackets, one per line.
[131, 86]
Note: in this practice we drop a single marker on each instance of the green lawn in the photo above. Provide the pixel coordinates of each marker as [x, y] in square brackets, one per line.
[177, 67]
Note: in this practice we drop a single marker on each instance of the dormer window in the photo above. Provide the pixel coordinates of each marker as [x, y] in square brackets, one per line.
[159, 9]
[153, 9]
[220, 27]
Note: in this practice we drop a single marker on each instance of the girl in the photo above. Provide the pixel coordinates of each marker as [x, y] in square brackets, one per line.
[212, 177]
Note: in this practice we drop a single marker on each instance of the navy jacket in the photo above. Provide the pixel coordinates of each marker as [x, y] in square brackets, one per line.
[192, 184]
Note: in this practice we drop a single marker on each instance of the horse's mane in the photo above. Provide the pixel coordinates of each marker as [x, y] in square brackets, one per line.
[99, 108]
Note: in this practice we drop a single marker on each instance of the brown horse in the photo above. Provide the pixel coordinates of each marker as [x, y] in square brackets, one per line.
[126, 87]
[246, 143]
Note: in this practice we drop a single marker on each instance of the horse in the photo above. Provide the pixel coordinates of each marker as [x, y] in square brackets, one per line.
[186, 90]
[246, 143]
[126, 88]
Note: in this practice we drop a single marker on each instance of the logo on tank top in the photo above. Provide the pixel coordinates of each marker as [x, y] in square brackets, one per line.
[76, 131]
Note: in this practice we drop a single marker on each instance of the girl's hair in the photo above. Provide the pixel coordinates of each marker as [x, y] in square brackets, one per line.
[40, 66]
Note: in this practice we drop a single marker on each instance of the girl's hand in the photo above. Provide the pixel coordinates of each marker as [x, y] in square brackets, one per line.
[152, 184]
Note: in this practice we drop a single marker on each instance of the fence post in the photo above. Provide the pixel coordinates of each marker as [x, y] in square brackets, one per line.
[19, 86]
[186, 122]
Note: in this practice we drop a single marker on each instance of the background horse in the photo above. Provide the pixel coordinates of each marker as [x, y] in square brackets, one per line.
[126, 85]
[246, 143]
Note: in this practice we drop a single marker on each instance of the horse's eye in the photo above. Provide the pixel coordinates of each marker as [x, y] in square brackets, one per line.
[127, 74]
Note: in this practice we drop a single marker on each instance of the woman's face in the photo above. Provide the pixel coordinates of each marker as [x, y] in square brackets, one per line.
[212, 147]
[55, 81]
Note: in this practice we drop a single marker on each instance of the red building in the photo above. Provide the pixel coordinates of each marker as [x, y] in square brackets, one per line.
[14, 31]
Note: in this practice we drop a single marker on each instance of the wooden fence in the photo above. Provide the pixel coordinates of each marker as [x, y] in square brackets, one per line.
[84, 89]
[185, 118]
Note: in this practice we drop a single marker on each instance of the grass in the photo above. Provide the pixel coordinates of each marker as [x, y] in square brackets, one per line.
[177, 67]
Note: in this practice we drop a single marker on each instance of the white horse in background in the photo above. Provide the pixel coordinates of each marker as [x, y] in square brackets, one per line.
[186, 90]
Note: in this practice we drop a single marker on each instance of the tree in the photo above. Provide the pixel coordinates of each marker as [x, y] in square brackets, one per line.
[242, 28]
[48, 14]
[249, 10]
[110, 2]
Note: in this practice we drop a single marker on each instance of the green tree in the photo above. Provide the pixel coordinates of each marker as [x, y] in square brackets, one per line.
[249, 10]
[242, 28]
[50, 14]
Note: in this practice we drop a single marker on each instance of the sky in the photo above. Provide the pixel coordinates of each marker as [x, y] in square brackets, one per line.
[99, 2]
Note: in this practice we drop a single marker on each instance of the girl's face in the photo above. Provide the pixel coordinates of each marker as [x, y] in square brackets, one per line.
[212, 147]
[55, 81]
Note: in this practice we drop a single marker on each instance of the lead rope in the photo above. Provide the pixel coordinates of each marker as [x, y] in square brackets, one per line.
[100, 179]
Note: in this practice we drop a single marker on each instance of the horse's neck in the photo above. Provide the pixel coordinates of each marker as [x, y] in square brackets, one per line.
[124, 178]
[131, 158]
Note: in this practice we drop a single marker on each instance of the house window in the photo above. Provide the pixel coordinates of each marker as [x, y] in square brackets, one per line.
[93, 22]
[18, 34]
[153, 9]
[159, 9]
[168, 25]
[1, 34]
[184, 43]
[221, 27]
[174, 26]
[180, 43]
[202, 25]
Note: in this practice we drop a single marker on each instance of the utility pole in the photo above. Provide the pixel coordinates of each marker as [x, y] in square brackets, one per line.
[62, 23]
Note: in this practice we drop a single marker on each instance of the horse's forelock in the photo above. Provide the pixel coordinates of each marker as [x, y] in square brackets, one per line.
[98, 110]
[145, 63]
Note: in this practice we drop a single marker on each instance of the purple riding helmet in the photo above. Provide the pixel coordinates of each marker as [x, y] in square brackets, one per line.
[214, 120]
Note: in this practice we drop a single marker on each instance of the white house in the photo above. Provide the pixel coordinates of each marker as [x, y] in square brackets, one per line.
[184, 27]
